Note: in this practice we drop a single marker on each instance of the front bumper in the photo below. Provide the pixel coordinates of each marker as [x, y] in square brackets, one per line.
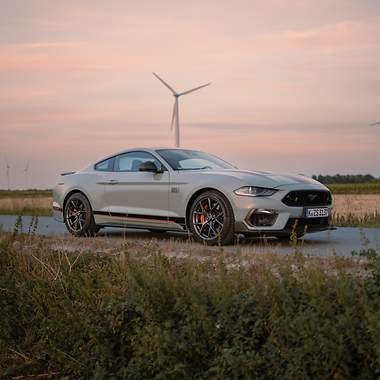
[288, 218]
[299, 226]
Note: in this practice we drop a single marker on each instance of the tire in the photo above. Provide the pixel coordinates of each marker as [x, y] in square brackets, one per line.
[211, 219]
[78, 216]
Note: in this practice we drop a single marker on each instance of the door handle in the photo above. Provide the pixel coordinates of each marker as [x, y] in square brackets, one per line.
[112, 182]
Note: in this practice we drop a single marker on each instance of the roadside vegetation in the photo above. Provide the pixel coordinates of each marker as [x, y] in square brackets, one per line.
[26, 202]
[352, 220]
[29, 205]
[143, 315]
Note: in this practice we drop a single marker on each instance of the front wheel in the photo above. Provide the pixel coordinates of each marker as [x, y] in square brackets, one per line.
[78, 216]
[211, 219]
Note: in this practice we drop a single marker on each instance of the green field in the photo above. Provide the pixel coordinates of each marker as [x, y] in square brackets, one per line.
[355, 188]
[146, 316]
[25, 193]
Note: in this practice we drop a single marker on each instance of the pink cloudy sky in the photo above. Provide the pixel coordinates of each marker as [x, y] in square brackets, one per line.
[295, 83]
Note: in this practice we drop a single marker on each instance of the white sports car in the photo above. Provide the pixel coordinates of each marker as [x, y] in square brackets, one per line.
[169, 189]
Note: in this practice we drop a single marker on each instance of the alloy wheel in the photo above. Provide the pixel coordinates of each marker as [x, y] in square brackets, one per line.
[208, 218]
[76, 215]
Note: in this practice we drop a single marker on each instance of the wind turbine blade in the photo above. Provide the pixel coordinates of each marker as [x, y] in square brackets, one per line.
[374, 124]
[165, 84]
[174, 114]
[194, 89]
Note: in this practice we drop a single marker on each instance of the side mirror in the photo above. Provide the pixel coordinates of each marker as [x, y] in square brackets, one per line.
[150, 166]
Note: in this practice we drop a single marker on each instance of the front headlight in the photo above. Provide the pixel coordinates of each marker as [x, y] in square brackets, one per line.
[254, 191]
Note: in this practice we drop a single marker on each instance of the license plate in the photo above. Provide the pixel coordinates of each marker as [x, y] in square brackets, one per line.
[317, 212]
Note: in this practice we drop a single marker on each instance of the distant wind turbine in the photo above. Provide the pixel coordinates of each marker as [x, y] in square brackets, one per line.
[26, 173]
[175, 115]
[8, 173]
[373, 124]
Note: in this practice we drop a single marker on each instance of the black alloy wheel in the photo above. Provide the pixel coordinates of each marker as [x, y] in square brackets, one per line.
[211, 219]
[78, 216]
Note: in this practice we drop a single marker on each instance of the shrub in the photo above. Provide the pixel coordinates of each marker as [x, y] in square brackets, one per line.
[89, 316]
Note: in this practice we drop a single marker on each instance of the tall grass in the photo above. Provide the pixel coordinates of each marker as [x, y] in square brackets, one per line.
[41, 206]
[146, 316]
[353, 220]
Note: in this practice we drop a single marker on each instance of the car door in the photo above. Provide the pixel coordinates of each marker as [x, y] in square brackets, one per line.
[134, 197]
[95, 181]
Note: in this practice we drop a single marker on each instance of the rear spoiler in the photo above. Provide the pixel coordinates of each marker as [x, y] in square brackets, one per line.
[67, 173]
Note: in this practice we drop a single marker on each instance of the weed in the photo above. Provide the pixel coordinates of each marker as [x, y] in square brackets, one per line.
[145, 316]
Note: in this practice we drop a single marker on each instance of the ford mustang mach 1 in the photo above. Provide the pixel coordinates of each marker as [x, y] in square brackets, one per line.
[167, 189]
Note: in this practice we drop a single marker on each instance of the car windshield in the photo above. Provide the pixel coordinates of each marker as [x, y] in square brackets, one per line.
[181, 159]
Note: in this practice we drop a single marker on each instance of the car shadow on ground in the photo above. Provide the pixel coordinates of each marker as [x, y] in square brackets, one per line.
[261, 242]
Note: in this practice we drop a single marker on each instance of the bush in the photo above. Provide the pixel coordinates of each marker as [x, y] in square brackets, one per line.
[89, 316]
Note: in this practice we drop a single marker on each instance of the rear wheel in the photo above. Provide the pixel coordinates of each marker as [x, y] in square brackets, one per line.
[78, 216]
[211, 219]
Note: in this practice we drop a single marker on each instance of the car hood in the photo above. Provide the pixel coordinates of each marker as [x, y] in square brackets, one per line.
[264, 179]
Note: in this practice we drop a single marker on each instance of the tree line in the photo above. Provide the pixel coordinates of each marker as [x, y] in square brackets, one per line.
[345, 178]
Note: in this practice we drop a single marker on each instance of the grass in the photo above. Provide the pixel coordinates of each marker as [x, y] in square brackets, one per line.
[25, 193]
[353, 220]
[360, 188]
[26, 202]
[40, 206]
[27, 211]
[148, 316]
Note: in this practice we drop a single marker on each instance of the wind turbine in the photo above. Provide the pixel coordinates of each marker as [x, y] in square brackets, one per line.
[8, 174]
[26, 173]
[175, 115]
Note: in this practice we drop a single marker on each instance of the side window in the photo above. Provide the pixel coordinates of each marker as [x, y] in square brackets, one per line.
[104, 166]
[131, 161]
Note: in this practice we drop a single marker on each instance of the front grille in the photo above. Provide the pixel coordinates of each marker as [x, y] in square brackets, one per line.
[300, 198]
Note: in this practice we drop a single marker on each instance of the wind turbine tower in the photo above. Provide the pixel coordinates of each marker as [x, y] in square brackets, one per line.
[175, 115]
[8, 173]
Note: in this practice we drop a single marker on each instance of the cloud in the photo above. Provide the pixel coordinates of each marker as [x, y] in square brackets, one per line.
[76, 76]
[346, 34]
